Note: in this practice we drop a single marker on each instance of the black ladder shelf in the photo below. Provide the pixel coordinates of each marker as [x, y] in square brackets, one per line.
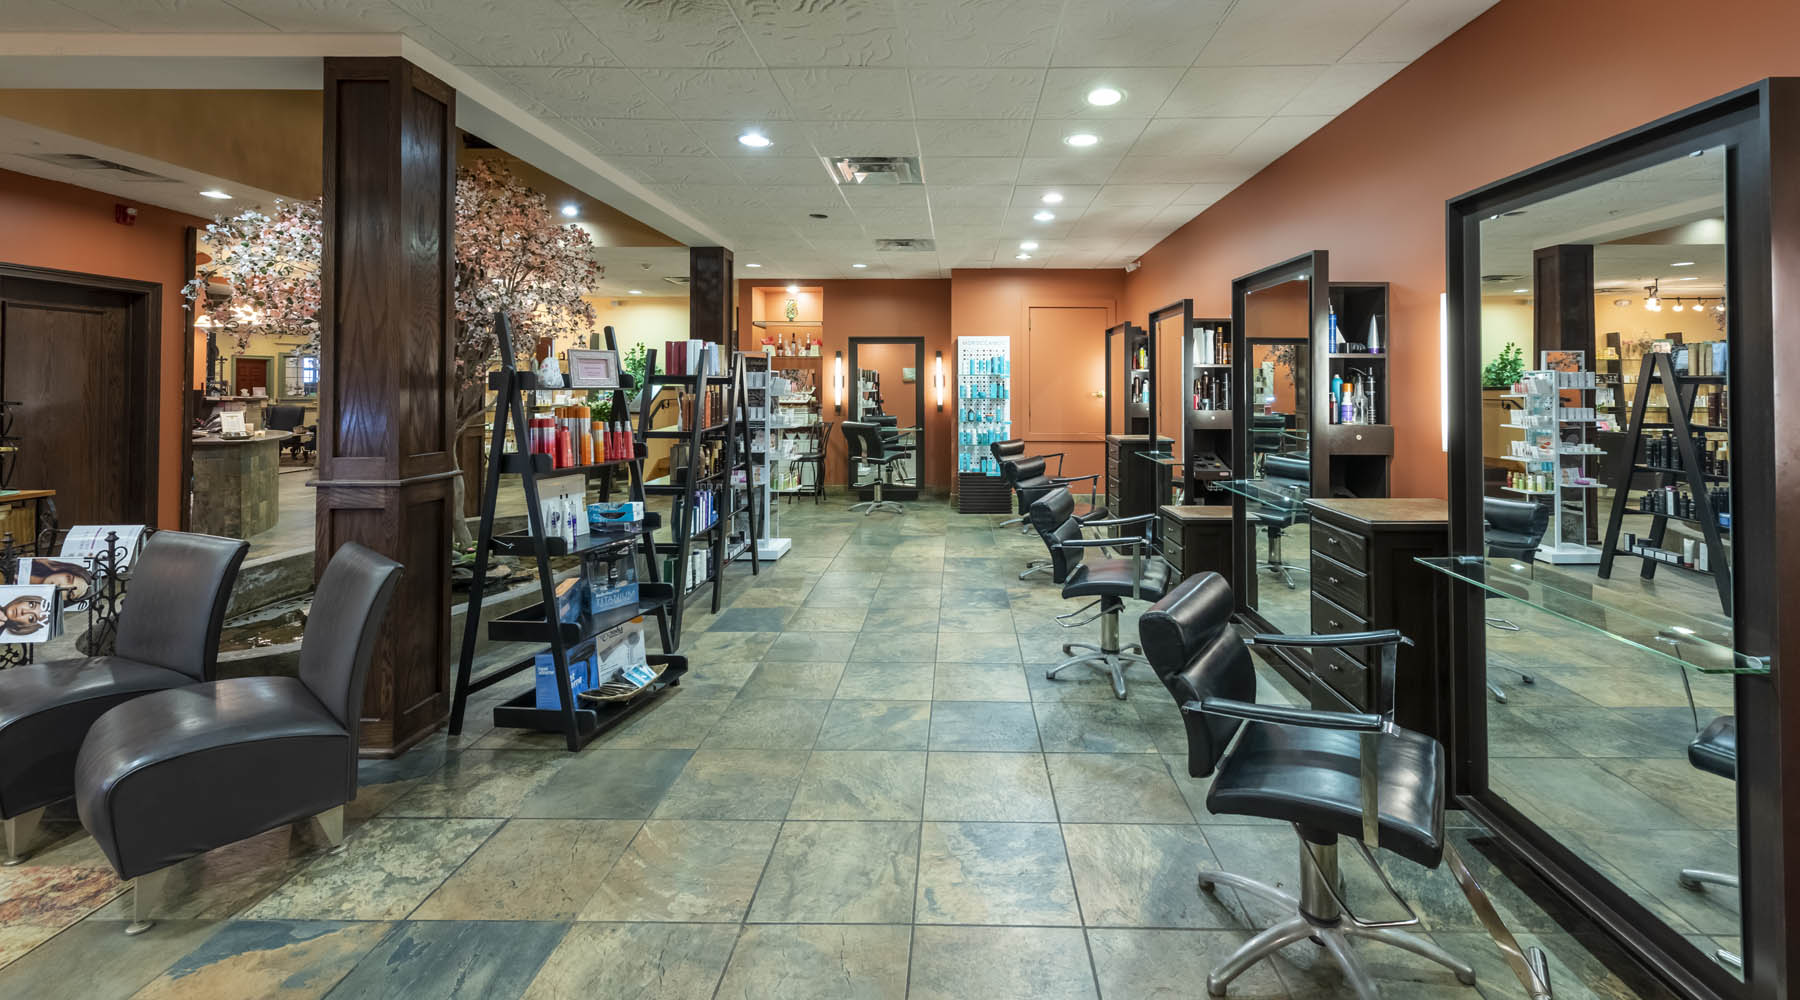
[1678, 392]
[579, 723]
[733, 431]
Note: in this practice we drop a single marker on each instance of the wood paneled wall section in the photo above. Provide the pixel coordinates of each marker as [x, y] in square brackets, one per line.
[709, 294]
[1563, 308]
[385, 457]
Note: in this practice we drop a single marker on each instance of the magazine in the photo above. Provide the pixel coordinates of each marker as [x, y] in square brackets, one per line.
[29, 613]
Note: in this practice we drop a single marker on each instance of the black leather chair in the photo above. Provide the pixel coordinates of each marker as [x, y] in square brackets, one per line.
[866, 449]
[1512, 529]
[888, 426]
[177, 773]
[1030, 482]
[1143, 575]
[1266, 430]
[291, 418]
[1330, 774]
[168, 637]
[1293, 473]
[1714, 750]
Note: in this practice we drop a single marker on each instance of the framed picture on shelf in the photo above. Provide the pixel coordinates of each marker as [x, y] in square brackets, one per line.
[589, 369]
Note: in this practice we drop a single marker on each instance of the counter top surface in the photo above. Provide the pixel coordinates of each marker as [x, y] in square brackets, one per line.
[1198, 512]
[1376, 511]
[267, 437]
[1138, 439]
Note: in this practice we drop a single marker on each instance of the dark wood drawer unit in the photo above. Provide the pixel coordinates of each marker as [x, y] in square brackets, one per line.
[1364, 577]
[1134, 484]
[1196, 539]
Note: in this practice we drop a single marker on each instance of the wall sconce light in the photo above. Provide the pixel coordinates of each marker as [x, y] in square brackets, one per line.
[937, 379]
[837, 382]
[1444, 369]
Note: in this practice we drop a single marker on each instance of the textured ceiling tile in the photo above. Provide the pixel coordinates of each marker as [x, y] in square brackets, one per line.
[639, 137]
[1116, 136]
[1075, 198]
[781, 171]
[1341, 86]
[518, 33]
[571, 92]
[965, 170]
[984, 203]
[1203, 194]
[1292, 32]
[817, 197]
[1136, 32]
[842, 93]
[165, 15]
[1068, 169]
[979, 32]
[1145, 89]
[1155, 196]
[823, 32]
[47, 15]
[747, 94]
[971, 137]
[701, 33]
[1415, 29]
[327, 15]
[863, 138]
[1194, 136]
[676, 169]
[1220, 92]
[1275, 137]
[976, 93]
[1183, 170]
[721, 138]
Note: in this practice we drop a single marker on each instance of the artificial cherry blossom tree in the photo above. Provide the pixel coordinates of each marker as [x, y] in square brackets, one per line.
[268, 265]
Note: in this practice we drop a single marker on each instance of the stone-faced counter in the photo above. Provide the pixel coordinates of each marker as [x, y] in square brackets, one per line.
[235, 490]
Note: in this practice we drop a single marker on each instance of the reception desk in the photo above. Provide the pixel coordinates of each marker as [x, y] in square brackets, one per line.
[235, 489]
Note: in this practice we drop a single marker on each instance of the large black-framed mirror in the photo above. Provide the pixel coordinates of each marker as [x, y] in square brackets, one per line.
[887, 386]
[1606, 772]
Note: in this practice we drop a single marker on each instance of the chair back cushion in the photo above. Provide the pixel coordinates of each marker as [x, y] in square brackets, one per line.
[1053, 515]
[1024, 470]
[1288, 468]
[348, 608]
[1004, 450]
[854, 441]
[1515, 528]
[175, 604]
[283, 416]
[1189, 641]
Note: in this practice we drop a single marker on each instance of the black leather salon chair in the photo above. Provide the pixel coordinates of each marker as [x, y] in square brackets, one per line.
[1289, 472]
[1512, 529]
[1266, 431]
[1009, 454]
[1714, 750]
[867, 450]
[291, 418]
[168, 637]
[888, 426]
[174, 774]
[1109, 580]
[1333, 775]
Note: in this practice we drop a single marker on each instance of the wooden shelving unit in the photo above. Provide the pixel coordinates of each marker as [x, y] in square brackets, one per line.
[1206, 410]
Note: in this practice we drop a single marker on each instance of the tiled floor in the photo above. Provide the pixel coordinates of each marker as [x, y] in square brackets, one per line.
[864, 788]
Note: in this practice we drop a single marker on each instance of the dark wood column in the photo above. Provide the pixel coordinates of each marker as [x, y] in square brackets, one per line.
[385, 406]
[709, 296]
[1562, 300]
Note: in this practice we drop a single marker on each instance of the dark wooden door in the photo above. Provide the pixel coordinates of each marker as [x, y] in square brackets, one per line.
[65, 352]
[251, 374]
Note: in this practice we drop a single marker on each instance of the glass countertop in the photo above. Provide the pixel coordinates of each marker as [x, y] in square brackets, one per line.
[1698, 645]
[1161, 456]
[1273, 493]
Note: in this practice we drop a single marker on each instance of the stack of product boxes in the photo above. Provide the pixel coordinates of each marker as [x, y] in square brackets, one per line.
[608, 581]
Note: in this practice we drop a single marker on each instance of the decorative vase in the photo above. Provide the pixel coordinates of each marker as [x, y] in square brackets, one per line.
[793, 310]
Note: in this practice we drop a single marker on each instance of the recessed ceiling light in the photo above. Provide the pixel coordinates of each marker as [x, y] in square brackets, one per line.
[570, 210]
[755, 140]
[1028, 245]
[793, 289]
[1021, 256]
[1688, 279]
[859, 265]
[1682, 263]
[1104, 97]
[1081, 139]
[637, 291]
[1045, 216]
[215, 194]
[752, 265]
[1522, 291]
[1052, 197]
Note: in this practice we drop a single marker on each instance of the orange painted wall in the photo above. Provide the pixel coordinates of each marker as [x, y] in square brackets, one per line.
[46, 224]
[1524, 83]
[996, 303]
[873, 308]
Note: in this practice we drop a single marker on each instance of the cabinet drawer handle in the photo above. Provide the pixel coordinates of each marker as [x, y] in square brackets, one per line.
[1335, 624]
[1333, 579]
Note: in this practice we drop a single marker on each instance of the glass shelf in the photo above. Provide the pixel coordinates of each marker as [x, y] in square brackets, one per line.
[1701, 646]
[1161, 457]
[1269, 493]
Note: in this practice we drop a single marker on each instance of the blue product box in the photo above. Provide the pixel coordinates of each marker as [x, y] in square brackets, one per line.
[607, 598]
[581, 674]
[568, 600]
[621, 517]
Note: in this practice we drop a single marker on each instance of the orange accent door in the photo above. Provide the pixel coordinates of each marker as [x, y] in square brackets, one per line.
[1064, 394]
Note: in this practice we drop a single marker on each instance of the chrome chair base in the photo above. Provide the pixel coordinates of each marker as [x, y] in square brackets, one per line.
[1494, 687]
[1698, 879]
[146, 893]
[1503, 624]
[21, 830]
[1009, 522]
[871, 506]
[1036, 566]
[1108, 657]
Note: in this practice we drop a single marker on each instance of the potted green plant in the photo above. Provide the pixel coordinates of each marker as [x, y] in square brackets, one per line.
[1504, 371]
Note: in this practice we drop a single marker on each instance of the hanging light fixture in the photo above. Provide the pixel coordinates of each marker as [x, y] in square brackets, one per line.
[1719, 306]
[1677, 305]
[1651, 302]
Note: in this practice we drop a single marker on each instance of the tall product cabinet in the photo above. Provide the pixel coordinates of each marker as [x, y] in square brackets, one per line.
[983, 416]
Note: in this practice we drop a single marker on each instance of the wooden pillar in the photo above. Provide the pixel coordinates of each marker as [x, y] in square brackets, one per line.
[1562, 300]
[709, 296]
[386, 402]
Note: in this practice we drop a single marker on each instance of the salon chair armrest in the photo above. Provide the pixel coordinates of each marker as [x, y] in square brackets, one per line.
[1339, 640]
[1115, 522]
[1056, 455]
[1133, 541]
[1284, 715]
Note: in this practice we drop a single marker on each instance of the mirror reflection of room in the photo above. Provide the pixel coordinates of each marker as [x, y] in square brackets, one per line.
[1607, 479]
[1277, 333]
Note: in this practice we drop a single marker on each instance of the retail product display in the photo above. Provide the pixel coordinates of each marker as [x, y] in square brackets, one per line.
[1353, 372]
[983, 417]
[1206, 449]
[690, 357]
[762, 388]
[1553, 452]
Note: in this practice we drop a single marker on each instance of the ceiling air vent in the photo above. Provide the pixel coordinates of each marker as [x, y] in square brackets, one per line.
[680, 280]
[912, 245]
[875, 170]
[1515, 278]
[82, 161]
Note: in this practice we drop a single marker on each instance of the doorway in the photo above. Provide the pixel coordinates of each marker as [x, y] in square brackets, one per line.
[887, 385]
[78, 354]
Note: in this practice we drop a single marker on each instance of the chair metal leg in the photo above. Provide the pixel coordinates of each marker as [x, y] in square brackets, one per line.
[1529, 964]
[1035, 566]
[146, 894]
[1211, 880]
[331, 825]
[1698, 879]
[21, 830]
[1009, 522]
[1358, 977]
[1465, 973]
[1503, 624]
[1108, 656]
[1495, 690]
[1270, 941]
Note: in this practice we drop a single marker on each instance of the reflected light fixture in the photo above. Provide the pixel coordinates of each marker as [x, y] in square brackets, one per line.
[1521, 291]
[837, 382]
[1719, 306]
[215, 194]
[1045, 216]
[1028, 245]
[1444, 367]
[1651, 301]
[1021, 256]
[937, 379]
[1678, 305]
[571, 210]
[637, 291]
[752, 265]
[1052, 198]
[1104, 97]
[1081, 139]
[1682, 263]
[755, 140]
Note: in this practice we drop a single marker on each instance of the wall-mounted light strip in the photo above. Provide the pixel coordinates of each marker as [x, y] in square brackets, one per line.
[837, 383]
[1443, 367]
[937, 379]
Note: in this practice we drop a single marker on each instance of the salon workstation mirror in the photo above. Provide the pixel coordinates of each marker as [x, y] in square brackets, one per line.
[1611, 415]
